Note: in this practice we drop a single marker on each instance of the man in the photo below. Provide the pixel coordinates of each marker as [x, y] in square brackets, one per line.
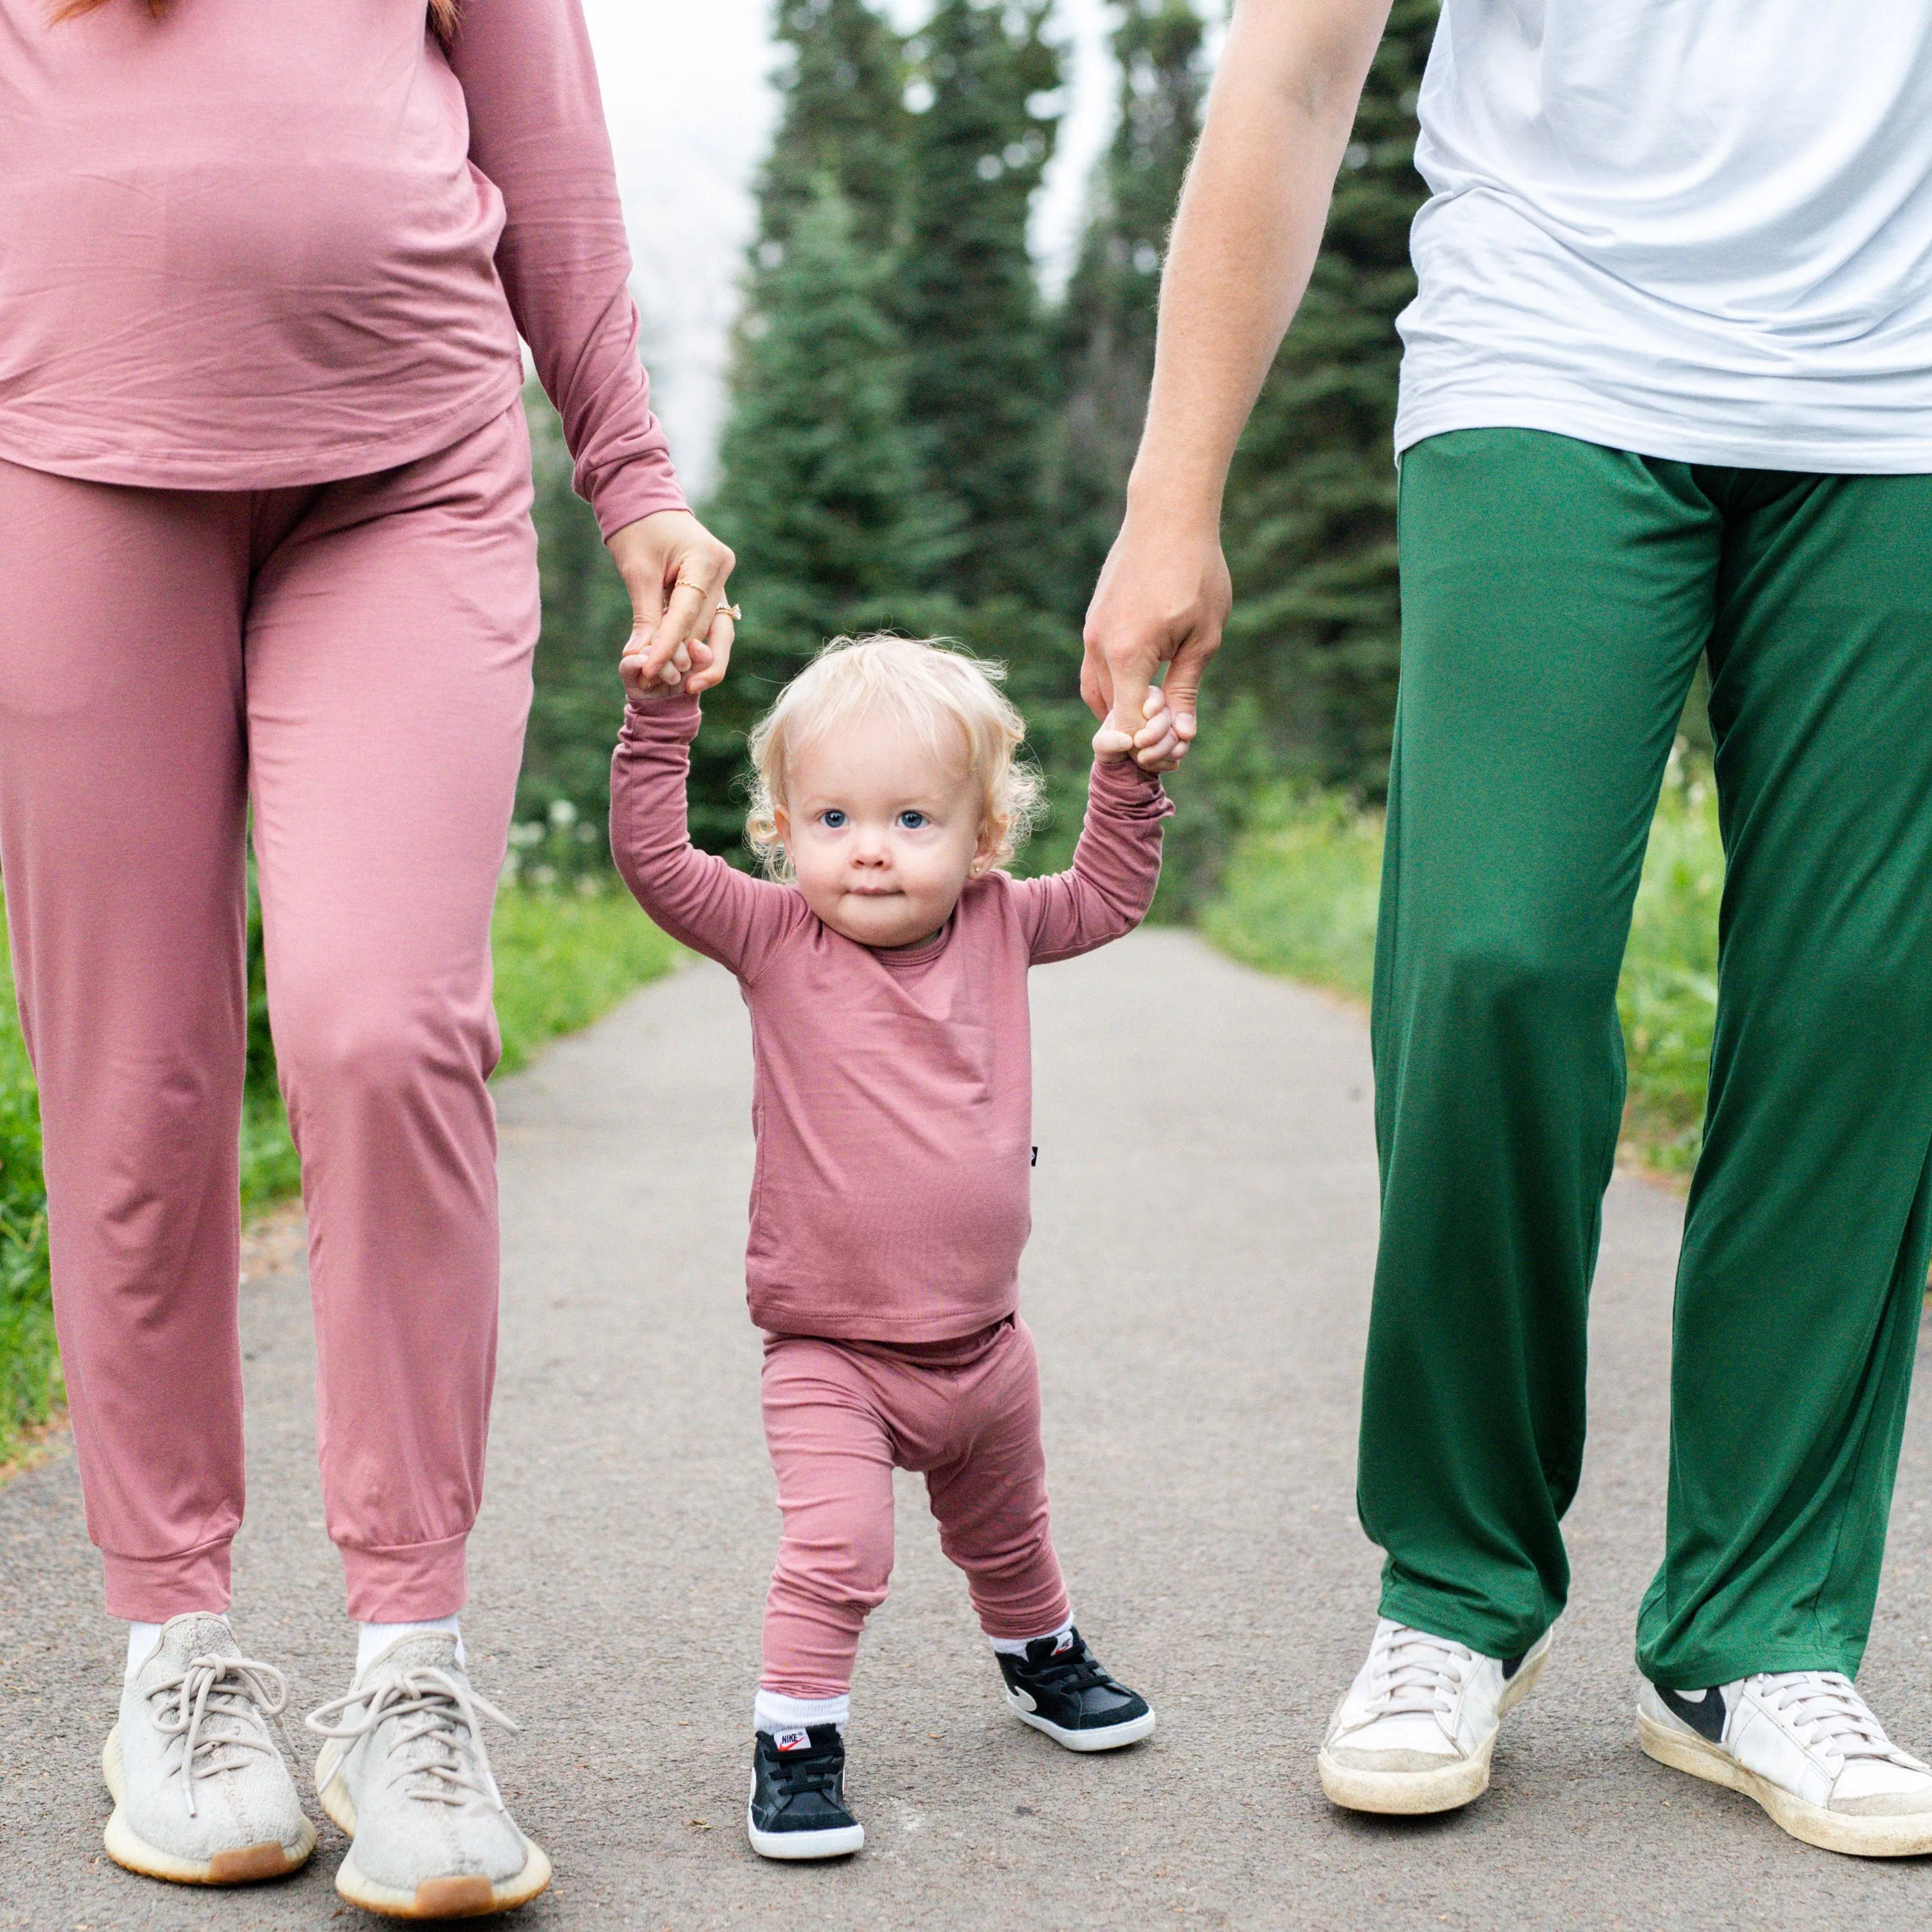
[1665, 394]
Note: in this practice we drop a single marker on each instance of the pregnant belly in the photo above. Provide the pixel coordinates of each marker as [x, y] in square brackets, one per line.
[213, 306]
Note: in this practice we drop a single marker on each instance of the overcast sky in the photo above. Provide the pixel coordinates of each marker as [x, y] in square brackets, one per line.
[687, 90]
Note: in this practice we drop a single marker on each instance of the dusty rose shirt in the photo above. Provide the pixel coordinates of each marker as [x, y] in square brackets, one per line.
[260, 243]
[893, 1098]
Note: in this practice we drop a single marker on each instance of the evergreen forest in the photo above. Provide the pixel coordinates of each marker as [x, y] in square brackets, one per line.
[919, 440]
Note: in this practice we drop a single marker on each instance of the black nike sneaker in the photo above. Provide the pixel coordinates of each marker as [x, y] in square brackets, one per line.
[798, 1796]
[1059, 1687]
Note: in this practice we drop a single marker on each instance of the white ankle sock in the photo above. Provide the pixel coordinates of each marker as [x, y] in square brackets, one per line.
[372, 1640]
[143, 1640]
[774, 1711]
[1016, 1646]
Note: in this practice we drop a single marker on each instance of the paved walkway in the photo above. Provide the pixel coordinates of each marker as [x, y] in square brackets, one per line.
[1205, 1208]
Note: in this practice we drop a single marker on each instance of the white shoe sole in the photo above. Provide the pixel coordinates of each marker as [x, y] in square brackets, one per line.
[1112, 1737]
[1858, 1835]
[1414, 1794]
[469, 1895]
[247, 1865]
[799, 1847]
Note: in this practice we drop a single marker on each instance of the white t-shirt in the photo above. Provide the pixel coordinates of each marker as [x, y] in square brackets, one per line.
[1696, 229]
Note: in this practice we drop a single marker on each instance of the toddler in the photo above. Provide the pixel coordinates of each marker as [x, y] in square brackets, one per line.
[884, 962]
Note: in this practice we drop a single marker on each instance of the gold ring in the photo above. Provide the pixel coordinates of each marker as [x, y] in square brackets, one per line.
[735, 612]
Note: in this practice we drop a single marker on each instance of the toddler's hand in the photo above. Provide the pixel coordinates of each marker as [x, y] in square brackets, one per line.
[669, 681]
[1157, 746]
[685, 670]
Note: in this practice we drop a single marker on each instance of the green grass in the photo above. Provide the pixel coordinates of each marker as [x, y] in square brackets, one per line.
[1299, 899]
[30, 1383]
[563, 958]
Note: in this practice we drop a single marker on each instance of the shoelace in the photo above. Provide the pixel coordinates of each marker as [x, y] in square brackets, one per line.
[1827, 1713]
[1415, 1674]
[804, 1776]
[1079, 1670]
[213, 1696]
[438, 1743]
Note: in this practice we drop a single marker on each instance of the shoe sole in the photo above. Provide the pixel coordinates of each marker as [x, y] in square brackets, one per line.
[247, 1865]
[1415, 1794]
[470, 1896]
[798, 1847]
[1857, 1836]
[1114, 1737]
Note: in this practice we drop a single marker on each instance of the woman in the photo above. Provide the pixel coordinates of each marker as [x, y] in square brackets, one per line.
[264, 513]
[1665, 394]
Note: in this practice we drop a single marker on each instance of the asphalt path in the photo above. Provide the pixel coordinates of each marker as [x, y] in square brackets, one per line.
[1205, 1212]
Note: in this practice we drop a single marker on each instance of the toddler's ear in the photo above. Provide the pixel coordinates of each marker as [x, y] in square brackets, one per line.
[986, 854]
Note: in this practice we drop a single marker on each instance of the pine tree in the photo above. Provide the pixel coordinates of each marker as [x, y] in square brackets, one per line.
[1314, 641]
[1103, 337]
[968, 302]
[819, 487]
[844, 119]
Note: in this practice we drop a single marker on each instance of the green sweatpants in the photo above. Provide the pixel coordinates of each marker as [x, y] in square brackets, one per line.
[1556, 597]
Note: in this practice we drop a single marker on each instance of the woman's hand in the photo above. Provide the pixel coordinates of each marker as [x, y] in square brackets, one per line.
[682, 631]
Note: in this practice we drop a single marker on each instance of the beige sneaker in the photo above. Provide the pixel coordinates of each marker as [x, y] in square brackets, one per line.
[405, 1773]
[1415, 1733]
[201, 1794]
[1808, 1748]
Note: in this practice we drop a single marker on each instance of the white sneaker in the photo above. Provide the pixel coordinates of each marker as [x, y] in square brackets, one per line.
[202, 1794]
[404, 1773]
[1415, 1732]
[1806, 1746]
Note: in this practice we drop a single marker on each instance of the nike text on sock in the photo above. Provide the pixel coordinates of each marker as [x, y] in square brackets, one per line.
[143, 1640]
[774, 1711]
[372, 1640]
[1016, 1646]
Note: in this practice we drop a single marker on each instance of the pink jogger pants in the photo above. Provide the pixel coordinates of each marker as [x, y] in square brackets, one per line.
[354, 660]
[839, 1418]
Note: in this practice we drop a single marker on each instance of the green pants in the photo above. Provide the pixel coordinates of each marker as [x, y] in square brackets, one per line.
[1556, 598]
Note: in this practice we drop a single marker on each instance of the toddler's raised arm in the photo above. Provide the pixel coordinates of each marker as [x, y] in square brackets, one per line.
[1116, 867]
[700, 901]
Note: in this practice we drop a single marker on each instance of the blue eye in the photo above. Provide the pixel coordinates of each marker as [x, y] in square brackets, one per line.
[831, 820]
[912, 820]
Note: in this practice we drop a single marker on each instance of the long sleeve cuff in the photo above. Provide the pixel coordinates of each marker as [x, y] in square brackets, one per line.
[641, 487]
[662, 720]
[1121, 785]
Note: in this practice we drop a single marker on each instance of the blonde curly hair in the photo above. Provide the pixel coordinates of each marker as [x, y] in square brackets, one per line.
[951, 700]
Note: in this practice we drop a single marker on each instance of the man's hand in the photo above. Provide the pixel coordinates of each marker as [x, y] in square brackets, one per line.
[1163, 597]
[681, 631]
[1244, 242]
[1157, 746]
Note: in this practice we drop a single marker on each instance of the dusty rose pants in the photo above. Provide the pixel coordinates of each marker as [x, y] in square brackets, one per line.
[355, 660]
[839, 1418]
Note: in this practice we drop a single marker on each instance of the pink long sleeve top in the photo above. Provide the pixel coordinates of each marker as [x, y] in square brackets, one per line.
[892, 1094]
[261, 243]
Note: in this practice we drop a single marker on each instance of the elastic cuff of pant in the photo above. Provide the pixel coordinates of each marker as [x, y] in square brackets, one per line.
[150, 1589]
[777, 1710]
[1033, 1620]
[414, 1583]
